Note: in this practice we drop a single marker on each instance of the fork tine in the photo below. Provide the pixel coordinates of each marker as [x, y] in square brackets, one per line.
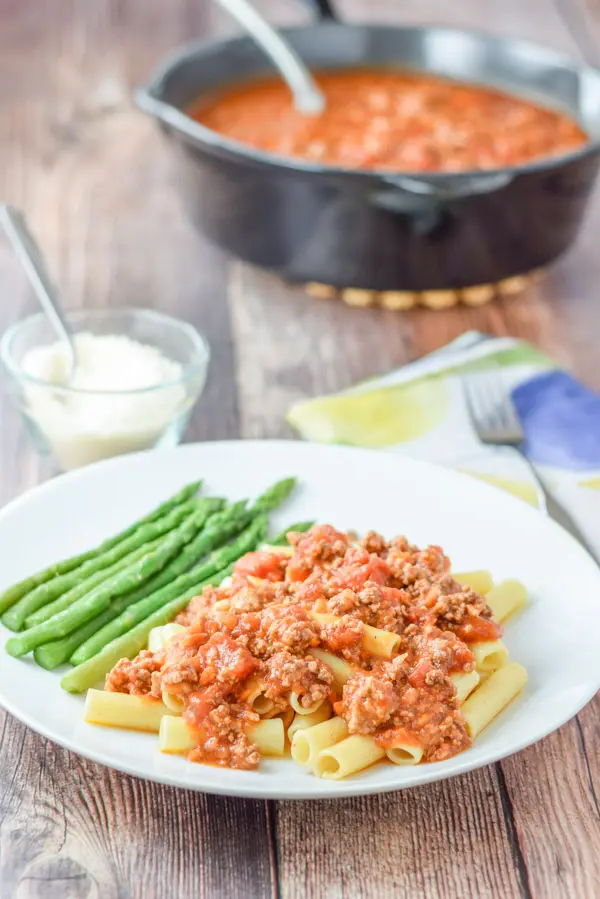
[482, 405]
[502, 400]
[491, 409]
[471, 395]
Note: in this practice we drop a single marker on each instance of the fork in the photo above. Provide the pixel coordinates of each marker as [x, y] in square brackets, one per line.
[496, 423]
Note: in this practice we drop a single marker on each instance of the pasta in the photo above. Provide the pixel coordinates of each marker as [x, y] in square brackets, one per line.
[407, 754]
[124, 710]
[465, 683]
[348, 757]
[257, 700]
[287, 716]
[506, 598]
[358, 752]
[176, 737]
[155, 639]
[160, 636]
[283, 656]
[281, 550]
[263, 706]
[269, 736]
[158, 639]
[302, 722]
[341, 669]
[490, 655]
[376, 641]
[480, 581]
[174, 703]
[301, 709]
[492, 696]
[307, 744]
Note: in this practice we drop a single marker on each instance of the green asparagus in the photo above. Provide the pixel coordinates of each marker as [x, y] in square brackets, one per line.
[246, 542]
[299, 528]
[204, 507]
[91, 672]
[219, 528]
[274, 496]
[99, 598]
[14, 593]
[87, 585]
[62, 633]
[51, 655]
[231, 520]
[14, 618]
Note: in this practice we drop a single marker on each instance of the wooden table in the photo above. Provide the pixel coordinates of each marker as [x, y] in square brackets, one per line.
[96, 179]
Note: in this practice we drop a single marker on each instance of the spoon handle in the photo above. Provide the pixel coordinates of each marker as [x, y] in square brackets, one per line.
[30, 256]
[308, 99]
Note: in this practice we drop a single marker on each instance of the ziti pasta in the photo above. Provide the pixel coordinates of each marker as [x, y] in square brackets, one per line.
[339, 651]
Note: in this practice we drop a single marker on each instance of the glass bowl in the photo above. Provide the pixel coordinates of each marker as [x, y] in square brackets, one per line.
[78, 426]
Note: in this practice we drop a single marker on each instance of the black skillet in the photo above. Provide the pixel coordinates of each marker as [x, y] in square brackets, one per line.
[380, 230]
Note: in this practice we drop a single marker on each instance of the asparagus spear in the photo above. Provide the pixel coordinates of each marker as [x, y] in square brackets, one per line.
[220, 528]
[88, 585]
[129, 644]
[230, 521]
[14, 618]
[14, 593]
[99, 598]
[219, 559]
[51, 655]
[299, 528]
[205, 508]
[89, 673]
[275, 495]
[90, 607]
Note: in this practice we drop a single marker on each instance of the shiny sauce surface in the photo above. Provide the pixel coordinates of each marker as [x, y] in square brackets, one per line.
[395, 120]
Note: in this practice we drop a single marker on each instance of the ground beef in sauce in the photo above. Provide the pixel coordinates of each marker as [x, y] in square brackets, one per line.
[369, 701]
[286, 627]
[308, 677]
[344, 638]
[378, 606]
[453, 602]
[394, 120]
[135, 676]
[262, 629]
[222, 737]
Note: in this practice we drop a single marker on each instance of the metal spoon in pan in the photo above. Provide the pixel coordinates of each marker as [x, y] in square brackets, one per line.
[308, 99]
[32, 260]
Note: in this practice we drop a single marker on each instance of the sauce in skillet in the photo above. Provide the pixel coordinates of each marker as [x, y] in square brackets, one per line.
[393, 120]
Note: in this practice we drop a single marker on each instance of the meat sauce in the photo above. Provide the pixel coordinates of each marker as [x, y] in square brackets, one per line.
[393, 120]
[260, 627]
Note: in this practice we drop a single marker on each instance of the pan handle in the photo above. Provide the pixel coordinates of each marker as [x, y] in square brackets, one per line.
[426, 201]
[442, 188]
[323, 8]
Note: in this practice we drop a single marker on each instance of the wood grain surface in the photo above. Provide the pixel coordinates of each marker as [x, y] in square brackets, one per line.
[96, 180]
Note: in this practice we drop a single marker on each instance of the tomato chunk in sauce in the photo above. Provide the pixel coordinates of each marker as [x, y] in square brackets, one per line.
[264, 565]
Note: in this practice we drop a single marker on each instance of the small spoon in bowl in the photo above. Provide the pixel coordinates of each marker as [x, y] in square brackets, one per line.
[308, 98]
[32, 260]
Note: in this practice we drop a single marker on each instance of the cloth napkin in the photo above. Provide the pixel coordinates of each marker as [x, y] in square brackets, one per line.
[420, 410]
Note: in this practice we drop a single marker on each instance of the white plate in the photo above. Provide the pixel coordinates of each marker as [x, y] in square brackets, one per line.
[479, 526]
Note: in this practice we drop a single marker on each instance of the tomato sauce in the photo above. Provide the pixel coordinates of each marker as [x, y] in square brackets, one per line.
[394, 120]
[264, 628]
[263, 565]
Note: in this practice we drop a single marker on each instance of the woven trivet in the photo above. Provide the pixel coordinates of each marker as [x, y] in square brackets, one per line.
[402, 300]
